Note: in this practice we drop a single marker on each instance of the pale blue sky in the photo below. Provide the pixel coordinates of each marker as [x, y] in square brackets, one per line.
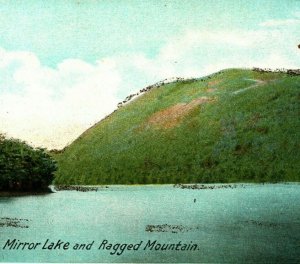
[68, 63]
[89, 30]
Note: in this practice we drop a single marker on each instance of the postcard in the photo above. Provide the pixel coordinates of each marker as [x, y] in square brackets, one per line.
[147, 131]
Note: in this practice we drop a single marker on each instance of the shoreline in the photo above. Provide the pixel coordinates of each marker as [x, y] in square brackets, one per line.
[95, 188]
[27, 193]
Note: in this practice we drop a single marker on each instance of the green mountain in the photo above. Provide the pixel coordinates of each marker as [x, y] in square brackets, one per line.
[233, 126]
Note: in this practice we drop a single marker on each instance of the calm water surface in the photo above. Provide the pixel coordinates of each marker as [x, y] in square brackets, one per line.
[250, 223]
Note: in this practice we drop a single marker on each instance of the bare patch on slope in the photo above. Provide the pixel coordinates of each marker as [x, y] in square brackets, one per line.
[210, 90]
[212, 86]
[213, 83]
[170, 117]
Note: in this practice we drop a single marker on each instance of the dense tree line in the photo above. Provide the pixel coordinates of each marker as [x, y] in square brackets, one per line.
[24, 168]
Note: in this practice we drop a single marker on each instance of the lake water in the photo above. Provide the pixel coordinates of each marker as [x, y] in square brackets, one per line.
[250, 223]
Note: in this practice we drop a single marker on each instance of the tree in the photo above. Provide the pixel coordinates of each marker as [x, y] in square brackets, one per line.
[24, 168]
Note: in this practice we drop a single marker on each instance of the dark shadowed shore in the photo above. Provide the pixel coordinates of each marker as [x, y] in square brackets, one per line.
[27, 193]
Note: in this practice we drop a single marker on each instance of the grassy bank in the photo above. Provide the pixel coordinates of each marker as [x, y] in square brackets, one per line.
[233, 126]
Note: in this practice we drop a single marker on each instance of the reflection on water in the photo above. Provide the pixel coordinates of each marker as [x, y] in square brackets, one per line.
[13, 222]
[6, 200]
[248, 223]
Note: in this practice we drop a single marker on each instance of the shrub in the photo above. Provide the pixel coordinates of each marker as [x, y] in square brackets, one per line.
[24, 168]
